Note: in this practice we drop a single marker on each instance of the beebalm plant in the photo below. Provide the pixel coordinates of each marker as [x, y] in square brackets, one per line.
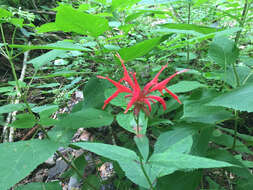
[145, 167]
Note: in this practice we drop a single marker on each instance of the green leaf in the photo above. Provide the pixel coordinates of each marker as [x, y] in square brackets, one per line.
[223, 155]
[73, 20]
[238, 99]
[204, 113]
[139, 49]
[94, 93]
[41, 186]
[20, 158]
[196, 29]
[178, 161]
[17, 22]
[185, 86]
[50, 85]
[122, 4]
[47, 107]
[227, 140]
[61, 45]
[127, 159]
[177, 140]
[223, 51]
[142, 143]
[112, 152]
[4, 13]
[87, 118]
[180, 180]
[94, 180]
[127, 121]
[25, 120]
[120, 101]
[12, 107]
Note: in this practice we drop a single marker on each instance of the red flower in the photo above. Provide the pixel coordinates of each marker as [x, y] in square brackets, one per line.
[140, 97]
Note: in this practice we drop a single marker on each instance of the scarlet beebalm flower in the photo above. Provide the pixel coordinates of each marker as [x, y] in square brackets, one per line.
[140, 98]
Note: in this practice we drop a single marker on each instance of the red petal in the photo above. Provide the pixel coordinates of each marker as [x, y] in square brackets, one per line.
[161, 85]
[148, 103]
[159, 99]
[173, 95]
[120, 87]
[154, 80]
[114, 95]
[126, 77]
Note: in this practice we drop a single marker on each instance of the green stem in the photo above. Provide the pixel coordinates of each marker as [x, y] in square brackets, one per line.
[18, 88]
[188, 22]
[146, 175]
[243, 20]
[235, 129]
[76, 170]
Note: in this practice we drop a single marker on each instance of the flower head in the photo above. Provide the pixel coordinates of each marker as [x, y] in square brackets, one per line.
[141, 98]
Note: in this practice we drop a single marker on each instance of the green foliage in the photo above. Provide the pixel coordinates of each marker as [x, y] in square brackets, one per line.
[24, 157]
[72, 20]
[223, 51]
[87, 118]
[46, 186]
[174, 148]
[238, 99]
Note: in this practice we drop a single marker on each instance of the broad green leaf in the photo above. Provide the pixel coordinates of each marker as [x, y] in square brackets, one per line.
[20, 158]
[4, 13]
[128, 122]
[87, 118]
[112, 152]
[17, 22]
[69, 19]
[223, 51]
[190, 27]
[61, 45]
[95, 180]
[48, 27]
[139, 49]
[244, 74]
[40, 186]
[134, 172]
[127, 159]
[226, 156]
[238, 99]
[180, 180]
[120, 100]
[227, 140]
[122, 4]
[25, 120]
[46, 58]
[142, 143]
[94, 93]
[12, 107]
[185, 86]
[177, 140]
[179, 161]
[47, 107]
[204, 113]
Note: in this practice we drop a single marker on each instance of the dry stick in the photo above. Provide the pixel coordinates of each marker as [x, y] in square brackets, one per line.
[13, 115]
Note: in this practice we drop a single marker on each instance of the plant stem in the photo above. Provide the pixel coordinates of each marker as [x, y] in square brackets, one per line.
[76, 170]
[188, 22]
[235, 129]
[243, 20]
[146, 175]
